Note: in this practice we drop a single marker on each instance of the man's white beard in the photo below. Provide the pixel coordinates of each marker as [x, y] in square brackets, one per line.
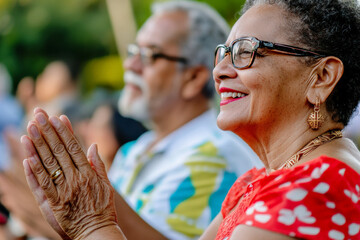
[134, 108]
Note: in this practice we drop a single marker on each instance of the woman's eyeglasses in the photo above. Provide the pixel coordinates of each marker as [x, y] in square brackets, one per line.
[243, 51]
[149, 55]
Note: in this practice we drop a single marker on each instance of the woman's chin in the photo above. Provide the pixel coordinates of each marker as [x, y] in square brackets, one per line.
[227, 124]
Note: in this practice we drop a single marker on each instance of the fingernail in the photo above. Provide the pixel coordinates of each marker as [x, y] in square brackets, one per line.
[55, 122]
[34, 131]
[91, 150]
[23, 139]
[41, 118]
[32, 160]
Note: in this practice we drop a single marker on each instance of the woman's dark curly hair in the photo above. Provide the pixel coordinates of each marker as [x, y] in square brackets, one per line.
[331, 27]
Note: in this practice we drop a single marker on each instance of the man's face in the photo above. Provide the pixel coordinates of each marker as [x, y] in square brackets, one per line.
[153, 88]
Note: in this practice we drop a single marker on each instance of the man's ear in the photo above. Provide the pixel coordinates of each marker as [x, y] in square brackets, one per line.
[195, 80]
[324, 77]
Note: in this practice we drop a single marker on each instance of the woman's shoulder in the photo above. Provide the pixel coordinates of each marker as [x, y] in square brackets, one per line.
[344, 151]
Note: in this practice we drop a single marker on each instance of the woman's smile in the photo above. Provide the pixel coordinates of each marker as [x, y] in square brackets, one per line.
[229, 95]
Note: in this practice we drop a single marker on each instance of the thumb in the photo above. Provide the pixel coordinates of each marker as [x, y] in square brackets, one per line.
[96, 162]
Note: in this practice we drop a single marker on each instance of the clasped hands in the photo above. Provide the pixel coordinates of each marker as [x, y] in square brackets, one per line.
[71, 188]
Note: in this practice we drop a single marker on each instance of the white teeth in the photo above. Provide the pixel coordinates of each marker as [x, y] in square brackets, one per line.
[232, 95]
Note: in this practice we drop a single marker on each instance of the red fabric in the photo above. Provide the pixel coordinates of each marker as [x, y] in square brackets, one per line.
[319, 199]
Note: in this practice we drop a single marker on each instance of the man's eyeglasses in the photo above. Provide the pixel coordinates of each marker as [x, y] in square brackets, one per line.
[149, 55]
[243, 51]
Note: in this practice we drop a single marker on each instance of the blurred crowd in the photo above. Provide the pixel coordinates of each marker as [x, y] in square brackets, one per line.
[95, 119]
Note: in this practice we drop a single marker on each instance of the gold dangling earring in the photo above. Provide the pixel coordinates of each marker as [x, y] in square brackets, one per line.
[315, 119]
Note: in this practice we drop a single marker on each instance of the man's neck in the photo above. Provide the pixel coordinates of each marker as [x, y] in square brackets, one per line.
[173, 120]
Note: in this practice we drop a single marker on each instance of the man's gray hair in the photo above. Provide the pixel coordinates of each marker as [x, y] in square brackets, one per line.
[207, 29]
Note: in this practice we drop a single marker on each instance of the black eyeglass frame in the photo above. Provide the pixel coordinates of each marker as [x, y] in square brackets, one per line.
[256, 44]
[149, 53]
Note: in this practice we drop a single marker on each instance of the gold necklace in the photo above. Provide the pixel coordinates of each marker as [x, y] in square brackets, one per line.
[313, 144]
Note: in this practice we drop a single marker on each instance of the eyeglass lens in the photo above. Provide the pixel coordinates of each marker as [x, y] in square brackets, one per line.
[146, 54]
[241, 53]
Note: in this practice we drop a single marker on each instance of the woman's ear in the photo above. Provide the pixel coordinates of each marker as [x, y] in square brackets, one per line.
[195, 80]
[324, 77]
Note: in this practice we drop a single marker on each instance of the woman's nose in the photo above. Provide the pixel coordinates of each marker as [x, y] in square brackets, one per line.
[224, 70]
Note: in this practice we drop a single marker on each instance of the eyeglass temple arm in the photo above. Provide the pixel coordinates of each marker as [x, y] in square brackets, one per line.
[290, 50]
[171, 58]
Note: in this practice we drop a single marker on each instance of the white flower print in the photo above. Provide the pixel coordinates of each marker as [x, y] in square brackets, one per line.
[330, 205]
[250, 223]
[336, 235]
[353, 196]
[338, 219]
[317, 172]
[304, 180]
[262, 218]
[278, 178]
[342, 171]
[309, 230]
[322, 188]
[258, 206]
[287, 184]
[354, 229]
[296, 194]
[288, 217]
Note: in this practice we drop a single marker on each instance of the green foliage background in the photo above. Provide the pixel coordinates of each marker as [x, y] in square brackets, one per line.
[34, 32]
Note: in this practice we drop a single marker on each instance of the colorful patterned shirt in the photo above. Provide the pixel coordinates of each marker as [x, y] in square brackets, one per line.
[179, 186]
[318, 200]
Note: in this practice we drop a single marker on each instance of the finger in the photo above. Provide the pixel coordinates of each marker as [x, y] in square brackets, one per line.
[42, 149]
[96, 162]
[34, 186]
[39, 181]
[72, 145]
[50, 148]
[30, 150]
[40, 110]
[41, 199]
[67, 122]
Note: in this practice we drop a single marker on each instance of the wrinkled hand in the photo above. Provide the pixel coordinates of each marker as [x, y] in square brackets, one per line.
[81, 197]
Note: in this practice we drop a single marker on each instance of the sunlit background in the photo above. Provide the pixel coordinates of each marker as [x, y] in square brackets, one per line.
[35, 32]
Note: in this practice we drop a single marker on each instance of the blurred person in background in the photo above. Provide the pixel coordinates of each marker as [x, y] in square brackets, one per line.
[54, 89]
[11, 114]
[110, 130]
[10, 119]
[176, 175]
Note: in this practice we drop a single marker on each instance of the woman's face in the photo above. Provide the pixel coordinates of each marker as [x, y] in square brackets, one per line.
[273, 89]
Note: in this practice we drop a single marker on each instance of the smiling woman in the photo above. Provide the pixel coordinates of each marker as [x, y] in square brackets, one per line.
[288, 96]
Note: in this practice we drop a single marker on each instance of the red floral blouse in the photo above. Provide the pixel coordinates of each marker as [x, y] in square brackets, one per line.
[319, 199]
